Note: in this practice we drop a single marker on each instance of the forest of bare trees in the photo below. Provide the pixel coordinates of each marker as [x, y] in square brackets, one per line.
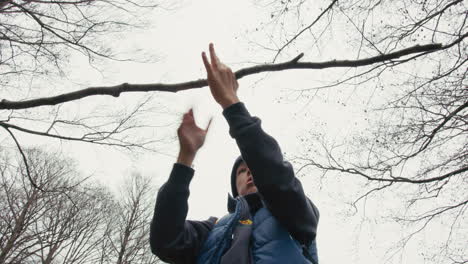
[404, 64]
[70, 222]
[38, 39]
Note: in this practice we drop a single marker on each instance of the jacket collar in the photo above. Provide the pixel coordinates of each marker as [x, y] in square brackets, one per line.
[254, 201]
[231, 205]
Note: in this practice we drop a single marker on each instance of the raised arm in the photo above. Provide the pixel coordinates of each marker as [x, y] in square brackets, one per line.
[172, 238]
[274, 177]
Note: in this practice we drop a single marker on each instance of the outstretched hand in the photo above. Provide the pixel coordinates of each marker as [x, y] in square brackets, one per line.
[222, 81]
[191, 137]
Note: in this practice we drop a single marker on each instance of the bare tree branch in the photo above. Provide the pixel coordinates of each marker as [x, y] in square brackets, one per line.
[430, 137]
[292, 64]
[304, 30]
[390, 179]
[25, 160]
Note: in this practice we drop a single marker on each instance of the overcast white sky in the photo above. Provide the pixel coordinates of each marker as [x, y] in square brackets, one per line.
[177, 39]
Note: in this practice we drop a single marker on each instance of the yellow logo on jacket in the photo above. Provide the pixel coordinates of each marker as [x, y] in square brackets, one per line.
[246, 222]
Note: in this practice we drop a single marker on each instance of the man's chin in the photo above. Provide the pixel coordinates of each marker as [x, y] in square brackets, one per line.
[249, 190]
[252, 189]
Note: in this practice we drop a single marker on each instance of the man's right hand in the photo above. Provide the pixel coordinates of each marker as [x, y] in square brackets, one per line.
[191, 138]
[222, 81]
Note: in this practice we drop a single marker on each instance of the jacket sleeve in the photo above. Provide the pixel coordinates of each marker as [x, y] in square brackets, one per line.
[173, 238]
[274, 177]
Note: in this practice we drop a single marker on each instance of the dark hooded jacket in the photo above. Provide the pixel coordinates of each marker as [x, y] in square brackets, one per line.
[177, 240]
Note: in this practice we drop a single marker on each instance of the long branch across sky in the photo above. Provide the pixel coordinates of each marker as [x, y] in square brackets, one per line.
[177, 87]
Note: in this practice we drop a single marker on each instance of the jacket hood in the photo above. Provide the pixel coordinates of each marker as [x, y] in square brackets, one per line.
[237, 162]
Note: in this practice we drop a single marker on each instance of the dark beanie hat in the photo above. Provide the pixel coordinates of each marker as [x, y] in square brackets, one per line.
[238, 162]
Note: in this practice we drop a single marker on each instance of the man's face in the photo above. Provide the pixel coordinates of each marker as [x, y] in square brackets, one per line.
[244, 180]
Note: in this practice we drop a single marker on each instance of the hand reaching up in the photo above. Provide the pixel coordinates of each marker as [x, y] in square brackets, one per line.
[222, 81]
[191, 137]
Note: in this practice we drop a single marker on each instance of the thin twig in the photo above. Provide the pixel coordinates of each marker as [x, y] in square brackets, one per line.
[304, 30]
[33, 183]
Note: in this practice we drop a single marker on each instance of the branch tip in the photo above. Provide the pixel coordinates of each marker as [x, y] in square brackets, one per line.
[298, 57]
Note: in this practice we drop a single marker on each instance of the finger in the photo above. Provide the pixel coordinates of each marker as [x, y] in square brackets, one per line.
[185, 118]
[209, 124]
[214, 59]
[187, 115]
[207, 64]
[223, 67]
[190, 115]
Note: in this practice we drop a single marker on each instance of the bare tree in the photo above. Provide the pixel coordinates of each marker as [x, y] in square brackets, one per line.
[128, 229]
[37, 41]
[413, 142]
[73, 229]
[23, 204]
[92, 128]
[37, 37]
[65, 224]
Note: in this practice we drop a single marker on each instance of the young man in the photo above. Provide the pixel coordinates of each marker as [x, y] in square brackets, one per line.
[270, 219]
